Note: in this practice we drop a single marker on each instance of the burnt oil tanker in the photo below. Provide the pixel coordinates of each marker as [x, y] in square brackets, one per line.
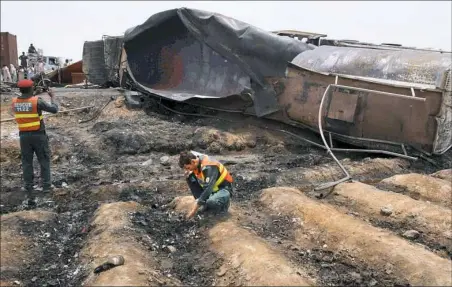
[392, 100]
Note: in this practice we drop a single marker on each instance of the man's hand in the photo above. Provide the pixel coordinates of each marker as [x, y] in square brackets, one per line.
[187, 173]
[50, 92]
[193, 211]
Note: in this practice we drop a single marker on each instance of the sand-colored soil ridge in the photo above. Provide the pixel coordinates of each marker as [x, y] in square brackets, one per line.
[432, 220]
[445, 174]
[423, 187]
[17, 248]
[377, 168]
[375, 246]
[249, 260]
[112, 235]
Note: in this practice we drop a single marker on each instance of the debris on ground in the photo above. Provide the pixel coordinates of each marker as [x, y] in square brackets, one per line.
[119, 191]
[386, 210]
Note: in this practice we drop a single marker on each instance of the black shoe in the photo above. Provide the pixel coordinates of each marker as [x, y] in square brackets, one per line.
[31, 202]
[26, 190]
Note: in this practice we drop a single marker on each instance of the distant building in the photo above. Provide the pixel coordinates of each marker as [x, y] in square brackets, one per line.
[8, 49]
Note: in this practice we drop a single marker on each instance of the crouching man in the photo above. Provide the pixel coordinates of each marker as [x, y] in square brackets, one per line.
[209, 182]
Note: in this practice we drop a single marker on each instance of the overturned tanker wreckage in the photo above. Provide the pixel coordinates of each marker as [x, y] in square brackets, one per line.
[396, 102]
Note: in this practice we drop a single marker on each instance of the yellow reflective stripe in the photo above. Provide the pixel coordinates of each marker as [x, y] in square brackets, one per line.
[223, 174]
[27, 125]
[26, 116]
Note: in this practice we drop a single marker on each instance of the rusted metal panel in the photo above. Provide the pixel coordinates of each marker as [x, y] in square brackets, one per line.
[8, 49]
[343, 106]
[65, 75]
[366, 114]
[77, 78]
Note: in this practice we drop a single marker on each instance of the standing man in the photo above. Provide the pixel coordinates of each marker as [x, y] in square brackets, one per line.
[13, 72]
[27, 110]
[209, 182]
[6, 74]
[23, 60]
[40, 67]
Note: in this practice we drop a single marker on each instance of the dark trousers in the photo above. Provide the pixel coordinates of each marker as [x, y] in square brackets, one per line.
[218, 201]
[31, 143]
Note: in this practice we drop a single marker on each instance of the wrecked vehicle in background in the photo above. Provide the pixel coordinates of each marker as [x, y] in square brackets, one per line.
[185, 53]
[101, 61]
[389, 101]
[408, 98]
[318, 39]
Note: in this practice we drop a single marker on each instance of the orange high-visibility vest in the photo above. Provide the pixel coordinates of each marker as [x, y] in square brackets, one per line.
[26, 114]
[224, 174]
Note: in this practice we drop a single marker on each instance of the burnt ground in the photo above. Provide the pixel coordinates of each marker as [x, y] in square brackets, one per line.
[131, 155]
[333, 268]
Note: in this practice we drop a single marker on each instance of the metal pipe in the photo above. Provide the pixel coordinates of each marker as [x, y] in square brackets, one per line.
[302, 138]
[366, 139]
[380, 93]
[441, 153]
[331, 140]
[347, 176]
[404, 150]
[330, 184]
[375, 151]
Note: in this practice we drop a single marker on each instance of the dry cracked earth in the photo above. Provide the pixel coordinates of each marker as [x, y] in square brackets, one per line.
[119, 191]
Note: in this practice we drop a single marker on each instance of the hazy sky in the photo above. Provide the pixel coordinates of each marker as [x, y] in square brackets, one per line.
[60, 28]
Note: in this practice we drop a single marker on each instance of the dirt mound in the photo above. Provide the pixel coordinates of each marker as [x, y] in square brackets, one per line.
[49, 241]
[124, 165]
[407, 214]
[18, 247]
[368, 169]
[419, 186]
[250, 260]
[111, 235]
[445, 174]
[375, 246]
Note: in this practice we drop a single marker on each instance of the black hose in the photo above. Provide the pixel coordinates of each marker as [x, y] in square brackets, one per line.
[97, 114]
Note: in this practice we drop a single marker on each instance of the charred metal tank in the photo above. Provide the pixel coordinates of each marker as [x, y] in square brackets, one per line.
[94, 62]
[410, 66]
[373, 96]
[379, 99]
[185, 53]
[101, 60]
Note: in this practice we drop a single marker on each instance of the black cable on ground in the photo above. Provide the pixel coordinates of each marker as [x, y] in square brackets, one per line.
[96, 115]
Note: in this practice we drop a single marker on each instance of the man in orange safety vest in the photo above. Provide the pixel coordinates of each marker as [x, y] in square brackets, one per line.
[209, 181]
[27, 110]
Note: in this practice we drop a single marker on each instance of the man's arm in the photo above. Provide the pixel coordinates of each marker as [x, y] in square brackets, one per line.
[211, 174]
[11, 110]
[44, 106]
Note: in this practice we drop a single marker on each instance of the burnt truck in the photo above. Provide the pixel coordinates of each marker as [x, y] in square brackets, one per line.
[396, 101]
[101, 60]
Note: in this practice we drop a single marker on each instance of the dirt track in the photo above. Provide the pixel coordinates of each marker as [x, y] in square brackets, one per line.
[117, 178]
